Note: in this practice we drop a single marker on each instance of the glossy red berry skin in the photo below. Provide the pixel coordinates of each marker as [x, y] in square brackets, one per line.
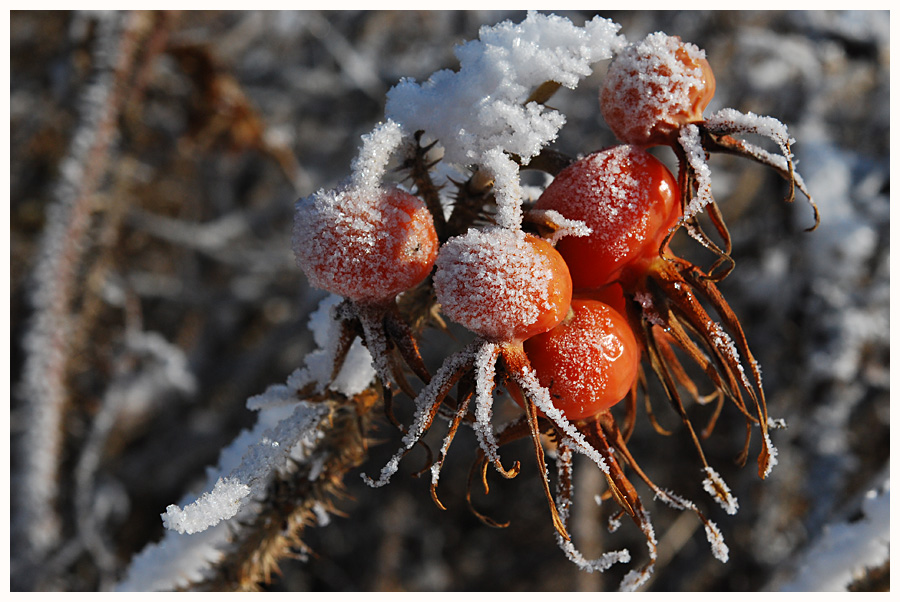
[589, 362]
[612, 294]
[654, 87]
[628, 198]
[501, 284]
[365, 245]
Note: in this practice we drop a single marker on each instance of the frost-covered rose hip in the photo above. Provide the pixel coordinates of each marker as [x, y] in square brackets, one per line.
[363, 244]
[627, 197]
[629, 200]
[505, 286]
[654, 87]
[588, 362]
[502, 284]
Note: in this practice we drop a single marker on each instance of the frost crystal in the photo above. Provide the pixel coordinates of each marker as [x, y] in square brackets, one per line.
[726, 346]
[614, 522]
[323, 519]
[366, 243]
[651, 82]
[357, 372]
[716, 542]
[507, 189]
[648, 309]
[273, 396]
[689, 139]
[180, 559]
[425, 402]
[445, 446]
[485, 366]
[493, 282]
[563, 503]
[479, 113]
[220, 504]
[369, 165]
[605, 561]
[772, 457]
[541, 396]
[733, 121]
[260, 460]
[482, 106]
[776, 423]
[564, 226]
[716, 487]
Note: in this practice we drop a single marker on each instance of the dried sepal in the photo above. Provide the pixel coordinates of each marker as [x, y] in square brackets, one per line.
[418, 164]
[428, 402]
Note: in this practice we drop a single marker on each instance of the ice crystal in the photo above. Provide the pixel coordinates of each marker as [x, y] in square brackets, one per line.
[369, 166]
[425, 402]
[259, 462]
[220, 504]
[772, 457]
[564, 226]
[479, 113]
[716, 487]
[716, 542]
[481, 107]
[357, 372]
[541, 396]
[485, 365]
[650, 82]
[689, 139]
[493, 282]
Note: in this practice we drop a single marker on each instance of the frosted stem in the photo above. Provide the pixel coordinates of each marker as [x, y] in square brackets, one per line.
[48, 342]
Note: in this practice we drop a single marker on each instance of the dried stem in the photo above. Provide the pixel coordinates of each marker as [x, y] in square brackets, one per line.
[49, 344]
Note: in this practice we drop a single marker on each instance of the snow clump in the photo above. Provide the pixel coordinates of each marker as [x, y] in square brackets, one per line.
[480, 114]
[220, 504]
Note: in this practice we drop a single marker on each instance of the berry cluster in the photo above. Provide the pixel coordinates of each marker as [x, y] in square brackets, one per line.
[569, 308]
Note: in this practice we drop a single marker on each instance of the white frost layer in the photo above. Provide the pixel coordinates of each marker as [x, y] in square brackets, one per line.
[363, 241]
[533, 389]
[179, 559]
[481, 106]
[485, 372]
[478, 113]
[176, 561]
[425, 402]
[652, 82]
[357, 372]
[494, 283]
[564, 226]
[689, 139]
[369, 166]
[354, 377]
[772, 458]
[220, 504]
[564, 503]
[716, 487]
[733, 121]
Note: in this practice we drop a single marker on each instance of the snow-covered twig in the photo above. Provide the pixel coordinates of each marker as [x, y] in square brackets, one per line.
[305, 446]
